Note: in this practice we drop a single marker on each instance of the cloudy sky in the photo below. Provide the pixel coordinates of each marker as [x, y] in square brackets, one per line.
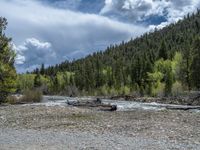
[51, 31]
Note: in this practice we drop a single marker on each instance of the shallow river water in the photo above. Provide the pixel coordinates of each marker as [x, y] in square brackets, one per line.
[121, 105]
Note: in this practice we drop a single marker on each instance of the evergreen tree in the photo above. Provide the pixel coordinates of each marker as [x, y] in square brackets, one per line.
[196, 64]
[7, 70]
[168, 81]
[163, 51]
[37, 79]
[186, 64]
[99, 74]
[71, 80]
[42, 70]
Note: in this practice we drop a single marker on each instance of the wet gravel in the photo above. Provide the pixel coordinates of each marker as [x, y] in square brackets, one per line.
[56, 127]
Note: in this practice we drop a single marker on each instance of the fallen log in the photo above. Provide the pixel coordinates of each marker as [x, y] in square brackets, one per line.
[55, 99]
[94, 104]
[183, 107]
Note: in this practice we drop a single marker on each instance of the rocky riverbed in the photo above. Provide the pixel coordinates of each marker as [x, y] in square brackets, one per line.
[63, 127]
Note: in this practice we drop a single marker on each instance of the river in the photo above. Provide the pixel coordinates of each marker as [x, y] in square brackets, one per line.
[121, 105]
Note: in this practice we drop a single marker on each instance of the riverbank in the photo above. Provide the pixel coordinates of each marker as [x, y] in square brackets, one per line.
[63, 127]
[190, 98]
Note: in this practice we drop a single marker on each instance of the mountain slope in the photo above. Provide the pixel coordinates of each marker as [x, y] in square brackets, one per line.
[127, 67]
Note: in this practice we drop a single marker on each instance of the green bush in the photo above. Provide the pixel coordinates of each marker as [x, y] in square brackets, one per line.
[125, 90]
[113, 92]
[158, 90]
[103, 91]
[32, 96]
[177, 89]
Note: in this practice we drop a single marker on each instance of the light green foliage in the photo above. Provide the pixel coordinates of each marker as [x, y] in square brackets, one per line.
[103, 91]
[158, 90]
[105, 71]
[45, 83]
[165, 71]
[125, 90]
[45, 80]
[177, 89]
[155, 77]
[64, 79]
[62, 83]
[61, 80]
[176, 65]
[156, 85]
[113, 91]
[25, 81]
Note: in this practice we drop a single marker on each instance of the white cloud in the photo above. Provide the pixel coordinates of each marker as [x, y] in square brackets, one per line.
[65, 30]
[133, 10]
[138, 10]
[33, 53]
[20, 59]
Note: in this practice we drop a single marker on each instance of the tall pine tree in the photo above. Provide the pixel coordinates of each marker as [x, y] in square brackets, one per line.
[7, 70]
[163, 51]
[196, 64]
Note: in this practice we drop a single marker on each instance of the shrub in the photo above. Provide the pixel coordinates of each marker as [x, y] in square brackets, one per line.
[113, 91]
[70, 90]
[12, 100]
[32, 96]
[125, 90]
[103, 91]
[158, 90]
[177, 89]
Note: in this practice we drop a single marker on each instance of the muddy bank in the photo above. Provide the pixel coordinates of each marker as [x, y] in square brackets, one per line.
[192, 99]
[61, 127]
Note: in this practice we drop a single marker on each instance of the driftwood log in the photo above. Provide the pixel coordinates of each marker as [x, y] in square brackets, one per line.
[183, 107]
[95, 104]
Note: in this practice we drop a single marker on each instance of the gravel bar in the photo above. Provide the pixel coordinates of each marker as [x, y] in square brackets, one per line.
[56, 127]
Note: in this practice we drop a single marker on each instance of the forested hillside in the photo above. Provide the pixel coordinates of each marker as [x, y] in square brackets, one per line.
[163, 62]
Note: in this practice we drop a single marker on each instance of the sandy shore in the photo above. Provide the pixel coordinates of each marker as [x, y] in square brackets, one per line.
[56, 127]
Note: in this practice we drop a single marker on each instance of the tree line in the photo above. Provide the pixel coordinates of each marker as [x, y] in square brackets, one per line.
[163, 62]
